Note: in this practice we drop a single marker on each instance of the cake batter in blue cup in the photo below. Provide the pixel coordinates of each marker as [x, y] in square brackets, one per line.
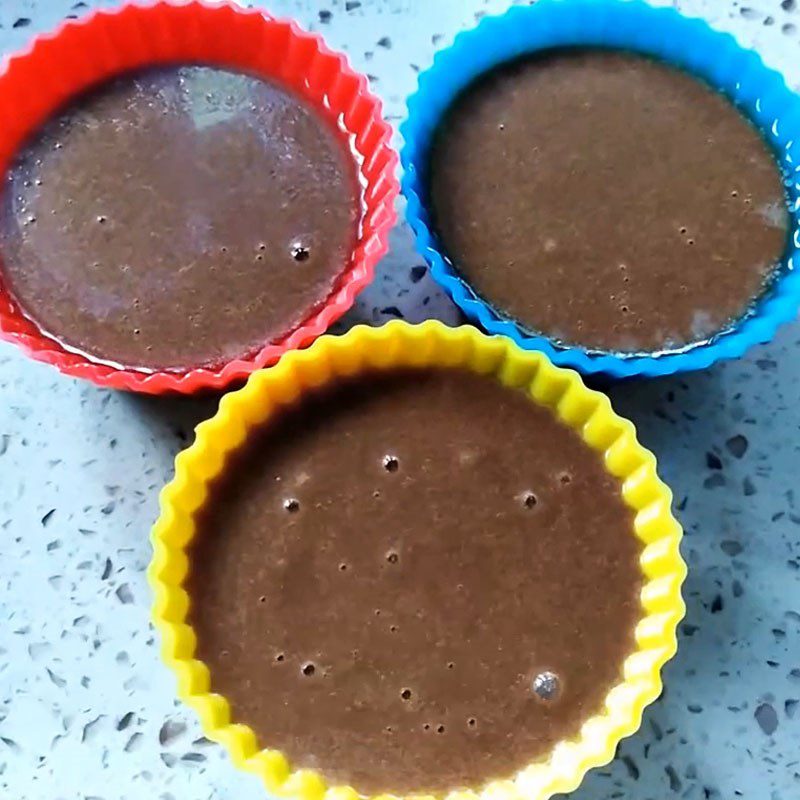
[631, 26]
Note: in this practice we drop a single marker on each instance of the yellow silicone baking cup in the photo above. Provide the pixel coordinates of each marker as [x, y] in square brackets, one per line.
[429, 344]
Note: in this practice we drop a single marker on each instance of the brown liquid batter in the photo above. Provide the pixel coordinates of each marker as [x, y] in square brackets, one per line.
[385, 569]
[607, 200]
[179, 217]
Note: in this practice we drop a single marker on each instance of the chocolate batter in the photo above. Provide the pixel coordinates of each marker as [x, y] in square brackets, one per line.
[416, 581]
[607, 200]
[179, 217]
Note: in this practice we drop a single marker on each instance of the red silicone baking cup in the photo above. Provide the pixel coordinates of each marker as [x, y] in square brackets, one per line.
[37, 81]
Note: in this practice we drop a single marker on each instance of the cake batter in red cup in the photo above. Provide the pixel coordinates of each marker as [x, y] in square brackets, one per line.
[143, 309]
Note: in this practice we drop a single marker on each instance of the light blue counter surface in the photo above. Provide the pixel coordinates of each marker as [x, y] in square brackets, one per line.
[87, 711]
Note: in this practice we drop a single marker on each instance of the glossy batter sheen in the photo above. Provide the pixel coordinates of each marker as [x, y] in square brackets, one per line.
[178, 218]
[607, 200]
[384, 571]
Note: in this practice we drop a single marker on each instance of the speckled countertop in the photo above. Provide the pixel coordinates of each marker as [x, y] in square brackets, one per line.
[86, 709]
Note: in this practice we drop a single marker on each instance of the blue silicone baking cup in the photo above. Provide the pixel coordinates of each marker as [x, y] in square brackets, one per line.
[690, 44]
